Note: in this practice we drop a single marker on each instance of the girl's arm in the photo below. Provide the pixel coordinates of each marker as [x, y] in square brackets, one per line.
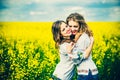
[79, 55]
[77, 36]
[88, 50]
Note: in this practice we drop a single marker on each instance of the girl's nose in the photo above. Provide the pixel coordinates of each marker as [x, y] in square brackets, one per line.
[72, 28]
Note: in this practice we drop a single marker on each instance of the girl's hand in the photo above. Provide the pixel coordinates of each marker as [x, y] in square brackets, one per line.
[91, 39]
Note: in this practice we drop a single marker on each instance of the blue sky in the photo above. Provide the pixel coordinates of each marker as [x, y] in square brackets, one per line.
[52, 10]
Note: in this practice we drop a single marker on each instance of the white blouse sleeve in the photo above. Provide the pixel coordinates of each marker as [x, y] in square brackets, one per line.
[77, 56]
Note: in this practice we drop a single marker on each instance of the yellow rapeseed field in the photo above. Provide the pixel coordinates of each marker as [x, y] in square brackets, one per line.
[27, 50]
[42, 30]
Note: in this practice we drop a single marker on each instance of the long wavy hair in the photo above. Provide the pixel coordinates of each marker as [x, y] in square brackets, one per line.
[57, 37]
[83, 27]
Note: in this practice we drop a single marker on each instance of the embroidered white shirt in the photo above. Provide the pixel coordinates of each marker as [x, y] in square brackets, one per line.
[83, 68]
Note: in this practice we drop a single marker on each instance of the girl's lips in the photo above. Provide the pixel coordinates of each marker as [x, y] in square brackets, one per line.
[68, 32]
[74, 32]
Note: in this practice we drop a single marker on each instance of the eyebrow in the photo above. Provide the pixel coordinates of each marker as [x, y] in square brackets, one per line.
[74, 25]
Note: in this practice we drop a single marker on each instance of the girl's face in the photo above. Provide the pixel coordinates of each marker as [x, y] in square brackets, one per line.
[65, 30]
[74, 26]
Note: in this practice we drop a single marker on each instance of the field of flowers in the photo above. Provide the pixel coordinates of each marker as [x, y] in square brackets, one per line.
[27, 50]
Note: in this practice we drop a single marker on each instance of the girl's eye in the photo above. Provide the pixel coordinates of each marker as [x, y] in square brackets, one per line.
[75, 26]
[63, 29]
[70, 26]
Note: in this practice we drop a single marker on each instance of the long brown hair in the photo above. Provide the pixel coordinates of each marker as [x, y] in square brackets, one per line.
[83, 27]
[57, 37]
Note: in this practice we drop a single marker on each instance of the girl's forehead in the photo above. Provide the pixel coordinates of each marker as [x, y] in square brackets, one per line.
[73, 22]
[63, 24]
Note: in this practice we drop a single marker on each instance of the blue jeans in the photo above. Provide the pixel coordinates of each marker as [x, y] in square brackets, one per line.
[88, 77]
[55, 78]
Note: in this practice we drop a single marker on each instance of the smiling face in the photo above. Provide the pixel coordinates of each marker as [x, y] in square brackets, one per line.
[74, 26]
[65, 30]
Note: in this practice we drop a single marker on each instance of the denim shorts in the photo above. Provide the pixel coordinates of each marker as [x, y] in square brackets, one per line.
[88, 77]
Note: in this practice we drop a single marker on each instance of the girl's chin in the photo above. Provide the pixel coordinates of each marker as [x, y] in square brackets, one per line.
[74, 33]
[69, 35]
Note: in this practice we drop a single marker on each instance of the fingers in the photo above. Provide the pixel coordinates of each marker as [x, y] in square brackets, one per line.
[71, 43]
[91, 39]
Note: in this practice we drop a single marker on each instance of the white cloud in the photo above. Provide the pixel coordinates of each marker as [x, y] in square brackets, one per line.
[115, 13]
[37, 13]
[78, 9]
[116, 9]
[14, 3]
[73, 8]
[58, 9]
[103, 1]
[110, 1]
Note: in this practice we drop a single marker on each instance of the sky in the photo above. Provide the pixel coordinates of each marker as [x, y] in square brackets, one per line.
[52, 10]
